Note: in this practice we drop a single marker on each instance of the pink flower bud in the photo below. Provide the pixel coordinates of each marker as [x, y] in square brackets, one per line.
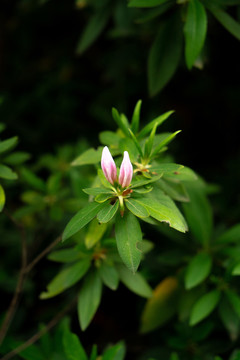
[126, 171]
[108, 166]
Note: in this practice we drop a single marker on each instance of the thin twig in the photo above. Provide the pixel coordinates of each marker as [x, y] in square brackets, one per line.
[40, 333]
[13, 305]
[29, 267]
[24, 270]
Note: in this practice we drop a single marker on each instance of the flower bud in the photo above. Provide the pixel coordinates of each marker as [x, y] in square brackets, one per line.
[126, 171]
[108, 166]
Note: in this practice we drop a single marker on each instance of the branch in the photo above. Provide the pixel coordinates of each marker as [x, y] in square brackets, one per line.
[29, 267]
[13, 305]
[39, 334]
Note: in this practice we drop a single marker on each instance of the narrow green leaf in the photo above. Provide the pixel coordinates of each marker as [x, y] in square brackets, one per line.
[66, 278]
[8, 144]
[165, 54]
[146, 3]
[65, 255]
[89, 299]
[109, 275]
[161, 306]
[234, 300]
[134, 282]
[229, 318]
[102, 198]
[160, 146]
[236, 270]
[33, 180]
[97, 190]
[92, 31]
[136, 208]
[195, 31]
[158, 120]
[93, 355]
[128, 234]
[89, 157]
[230, 236]
[136, 117]
[198, 213]
[120, 122]
[149, 142]
[73, 347]
[116, 352]
[17, 158]
[136, 142]
[82, 218]
[150, 14]
[7, 173]
[2, 198]
[204, 306]
[225, 19]
[107, 213]
[198, 270]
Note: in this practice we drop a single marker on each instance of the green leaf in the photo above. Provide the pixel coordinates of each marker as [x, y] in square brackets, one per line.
[73, 347]
[8, 144]
[93, 355]
[65, 255]
[160, 146]
[7, 173]
[195, 31]
[236, 270]
[128, 234]
[121, 122]
[161, 306]
[33, 180]
[116, 352]
[225, 19]
[95, 233]
[204, 306]
[136, 117]
[89, 157]
[198, 270]
[66, 278]
[175, 191]
[165, 54]
[89, 299]
[146, 3]
[230, 236]
[149, 142]
[157, 121]
[92, 31]
[234, 300]
[109, 138]
[82, 218]
[166, 168]
[136, 142]
[107, 213]
[229, 318]
[97, 190]
[102, 198]
[134, 282]
[17, 158]
[163, 209]
[109, 275]
[136, 208]
[198, 213]
[2, 198]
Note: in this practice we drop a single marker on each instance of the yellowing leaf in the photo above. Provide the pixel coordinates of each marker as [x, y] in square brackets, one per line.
[161, 306]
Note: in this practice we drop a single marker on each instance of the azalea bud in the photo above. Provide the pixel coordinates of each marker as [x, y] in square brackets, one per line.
[126, 171]
[108, 166]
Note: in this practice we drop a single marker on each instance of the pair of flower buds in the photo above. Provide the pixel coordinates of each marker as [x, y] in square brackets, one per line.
[110, 170]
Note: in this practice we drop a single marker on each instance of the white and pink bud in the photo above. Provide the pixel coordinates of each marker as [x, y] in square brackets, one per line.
[108, 166]
[126, 171]
[110, 170]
